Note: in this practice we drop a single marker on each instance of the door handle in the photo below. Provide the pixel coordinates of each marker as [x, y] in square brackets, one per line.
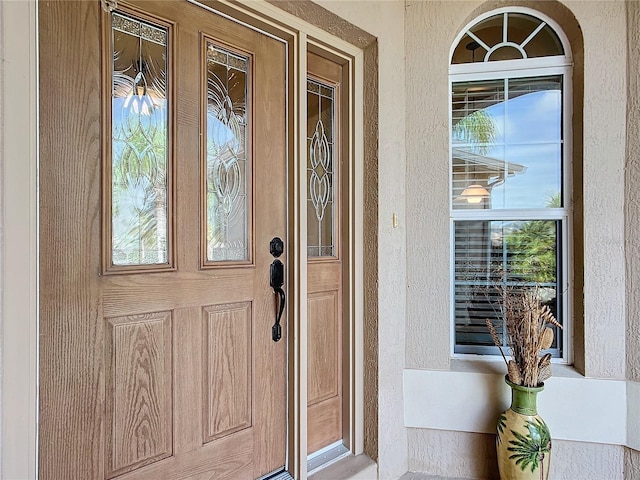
[277, 280]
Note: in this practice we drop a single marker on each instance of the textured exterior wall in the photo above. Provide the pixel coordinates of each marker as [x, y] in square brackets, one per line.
[464, 455]
[385, 20]
[452, 454]
[604, 152]
[370, 327]
[632, 195]
[631, 464]
[431, 28]
[632, 235]
[599, 253]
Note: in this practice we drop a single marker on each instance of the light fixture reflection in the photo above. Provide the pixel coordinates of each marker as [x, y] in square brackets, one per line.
[474, 194]
[139, 100]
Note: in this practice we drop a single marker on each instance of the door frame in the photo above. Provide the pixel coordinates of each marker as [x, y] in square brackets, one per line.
[19, 242]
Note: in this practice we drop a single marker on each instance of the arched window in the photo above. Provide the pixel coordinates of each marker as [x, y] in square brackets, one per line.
[510, 152]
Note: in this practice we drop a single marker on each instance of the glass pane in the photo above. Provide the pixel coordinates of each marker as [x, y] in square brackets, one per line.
[537, 183]
[320, 169]
[507, 154]
[545, 43]
[489, 31]
[477, 112]
[534, 110]
[498, 258]
[506, 52]
[228, 168]
[520, 27]
[468, 51]
[139, 163]
[523, 32]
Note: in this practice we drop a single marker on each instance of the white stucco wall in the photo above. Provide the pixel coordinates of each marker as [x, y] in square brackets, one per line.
[431, 27]
[604, 153]
[632, 193]
[385, 20]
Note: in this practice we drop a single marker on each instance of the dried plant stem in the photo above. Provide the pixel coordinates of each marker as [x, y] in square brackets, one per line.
[525, 319]
[496, 339]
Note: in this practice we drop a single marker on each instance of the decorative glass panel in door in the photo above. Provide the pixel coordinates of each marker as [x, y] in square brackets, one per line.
[320, 169]
[228, 168]
[139, 207]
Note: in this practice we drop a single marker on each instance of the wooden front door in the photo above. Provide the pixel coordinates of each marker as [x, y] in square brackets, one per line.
[162, 183]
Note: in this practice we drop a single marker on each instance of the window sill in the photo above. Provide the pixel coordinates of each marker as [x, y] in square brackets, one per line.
[496, 366]
[470, 396]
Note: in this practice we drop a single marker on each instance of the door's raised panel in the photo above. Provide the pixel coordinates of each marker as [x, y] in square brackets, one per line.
[227, 378]
[230, 458]
[324, 276]
[324, 424]
[324, 376]
[138, 391]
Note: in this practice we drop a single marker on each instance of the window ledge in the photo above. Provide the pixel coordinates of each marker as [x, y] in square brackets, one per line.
[470, 397]
[496, 366]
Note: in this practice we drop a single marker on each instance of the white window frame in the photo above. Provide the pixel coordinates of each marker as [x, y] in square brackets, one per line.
[561, 65]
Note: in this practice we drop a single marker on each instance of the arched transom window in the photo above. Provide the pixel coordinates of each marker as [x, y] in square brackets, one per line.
[507, 36]
[510, 159]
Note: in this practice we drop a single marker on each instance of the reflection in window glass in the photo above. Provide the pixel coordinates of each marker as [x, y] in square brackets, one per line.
[510, 194]
[507, 139]
[139, 163]
[227, 165]
[524, 37]
[493, 256]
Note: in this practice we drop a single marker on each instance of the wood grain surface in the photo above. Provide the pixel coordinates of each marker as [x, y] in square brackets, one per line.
[146, 374]
[325, 376]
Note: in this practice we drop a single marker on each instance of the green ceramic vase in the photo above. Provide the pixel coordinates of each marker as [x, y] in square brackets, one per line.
[523, 442]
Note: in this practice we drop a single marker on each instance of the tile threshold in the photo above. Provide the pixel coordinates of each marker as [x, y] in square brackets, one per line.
[359, 467]
[424, 476]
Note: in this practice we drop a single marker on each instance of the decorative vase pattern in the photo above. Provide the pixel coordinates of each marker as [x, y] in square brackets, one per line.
[523, 442]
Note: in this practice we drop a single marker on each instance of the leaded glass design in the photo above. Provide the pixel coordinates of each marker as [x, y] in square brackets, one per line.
[227, 166]
[139, 149]
[507, 36]
[320, 169]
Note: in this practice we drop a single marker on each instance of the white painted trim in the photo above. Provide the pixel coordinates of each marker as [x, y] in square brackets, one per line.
[575, 408]
[301, 321]
[520, 69]
[510, 69]
[279, 17]
[633, 415]
[20, 240]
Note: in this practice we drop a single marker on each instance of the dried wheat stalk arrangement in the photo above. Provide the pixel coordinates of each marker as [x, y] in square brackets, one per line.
[528, 334]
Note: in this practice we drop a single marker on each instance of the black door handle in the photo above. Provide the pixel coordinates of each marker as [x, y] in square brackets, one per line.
[277, 280]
